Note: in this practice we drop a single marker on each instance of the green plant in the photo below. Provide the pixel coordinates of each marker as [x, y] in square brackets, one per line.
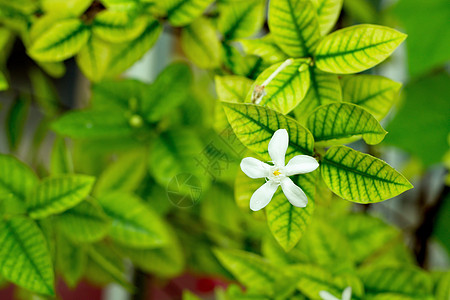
[133, 139]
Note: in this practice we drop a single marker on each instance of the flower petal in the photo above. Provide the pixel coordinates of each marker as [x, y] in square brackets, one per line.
[301, 164]
[254, 168]
[347, 293]
[262, 196]
[293, 193]
[278, 146]
[327, 296]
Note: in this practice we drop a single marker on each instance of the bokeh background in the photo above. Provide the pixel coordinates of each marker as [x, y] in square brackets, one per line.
[417, 143]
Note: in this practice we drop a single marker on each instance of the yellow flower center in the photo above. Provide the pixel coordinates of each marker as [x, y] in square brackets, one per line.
[276, 173]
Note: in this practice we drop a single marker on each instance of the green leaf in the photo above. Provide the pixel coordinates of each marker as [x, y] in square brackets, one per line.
[26, 260]
[60, 159]
[410, 130]
[241, 19]
[287, 89]
[124, 55]
[92, 124]
[168, 91]
[327, 13]
[54, 69]
[251, 270]
[57, 194]
[294, 26]
[61, 41]
[69, 7]
[324, 89]
[356, 48]
[232, 88]
[201, 45]
[3, 82]
[44, 92]
[125, 94]
[166, 262]
[125, 174]
[443, 287]
[339, 123]
[401, 281]
[84, 223]
[264, 47]
[359, 177]
[287, 222]
[133, 223]
[189, 296]
[71, 261]
[118, 26]
[366, 235]
[175, 152]
[15, 121]
[376, 94]
[17, 180]
[183, 12]
[107, 265]
[428, 33]
[245, 65]
[313, 279]
[93, 59]
[255, 125]
[324, 245]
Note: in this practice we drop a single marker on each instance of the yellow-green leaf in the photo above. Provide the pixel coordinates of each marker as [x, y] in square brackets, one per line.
[294, 26]
[57, 194]
[287, 89]
[241, 19]
[183, 12]
[200, 43]
[84, 223]
[359, 177]
[232, 88]
[287, 222]
[93, 59]
[17, 180]
[61, 41]
[124, 55]
[3, 82]
[118, 26]
[264, 47]
[176, 152]
[376, 94]
[356, 48]
[133, 223]
[399, 281]
[339, 123]
[26, 260]
[69, 7]
[251, 270]
[313, 279]
[327, 13]
[255, 125]
[71, 260]
[125, 174]
[167, 261]
[324, 88]
[93, 124]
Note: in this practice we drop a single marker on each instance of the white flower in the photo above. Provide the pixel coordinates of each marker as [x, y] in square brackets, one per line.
[279, 173]
[346, 294]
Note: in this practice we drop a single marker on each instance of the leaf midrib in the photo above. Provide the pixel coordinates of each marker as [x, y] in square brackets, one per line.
[346, 52]
[346, 168]
[346, 135]
[27, 255]
[268, 129]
